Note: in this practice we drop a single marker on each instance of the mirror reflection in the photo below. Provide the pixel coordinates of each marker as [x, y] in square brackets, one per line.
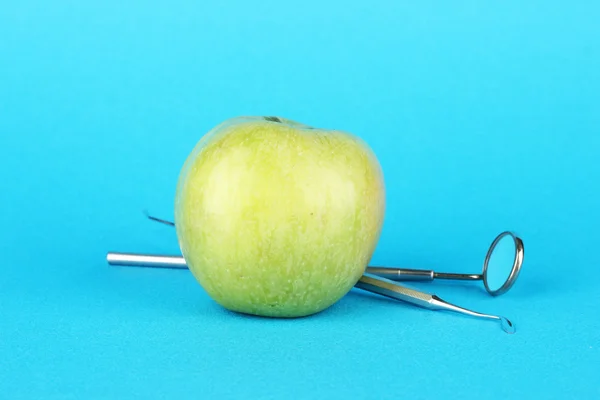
[500, 263]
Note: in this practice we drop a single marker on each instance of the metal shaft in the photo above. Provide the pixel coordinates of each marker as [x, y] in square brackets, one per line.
[143, 260]
[459, 277]
[407, 274]
[402, 274]
[395, 274]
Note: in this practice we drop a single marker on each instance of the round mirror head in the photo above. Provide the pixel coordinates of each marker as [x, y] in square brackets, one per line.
[502, 263]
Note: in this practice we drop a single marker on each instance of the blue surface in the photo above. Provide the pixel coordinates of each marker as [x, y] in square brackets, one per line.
[485, 117]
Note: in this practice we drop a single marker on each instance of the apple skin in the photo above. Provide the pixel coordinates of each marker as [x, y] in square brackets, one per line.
[278, 219]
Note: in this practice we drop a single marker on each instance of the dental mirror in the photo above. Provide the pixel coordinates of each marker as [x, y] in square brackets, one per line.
[501, 267]
[502, 263]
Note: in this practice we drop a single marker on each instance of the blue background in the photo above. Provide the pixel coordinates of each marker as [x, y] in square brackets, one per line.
[484, 115]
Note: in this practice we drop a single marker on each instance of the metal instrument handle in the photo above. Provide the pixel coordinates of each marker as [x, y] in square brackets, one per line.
[145, 260]
[402, 274]
[389, 288]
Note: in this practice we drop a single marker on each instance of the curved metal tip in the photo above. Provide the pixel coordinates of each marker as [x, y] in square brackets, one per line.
[507, 326]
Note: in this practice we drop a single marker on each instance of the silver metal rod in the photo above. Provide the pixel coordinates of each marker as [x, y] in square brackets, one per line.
[162, 261]
[459, 277]
[143, 260]
[402, 274]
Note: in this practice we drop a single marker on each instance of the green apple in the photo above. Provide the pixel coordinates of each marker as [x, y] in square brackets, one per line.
[276, 218]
